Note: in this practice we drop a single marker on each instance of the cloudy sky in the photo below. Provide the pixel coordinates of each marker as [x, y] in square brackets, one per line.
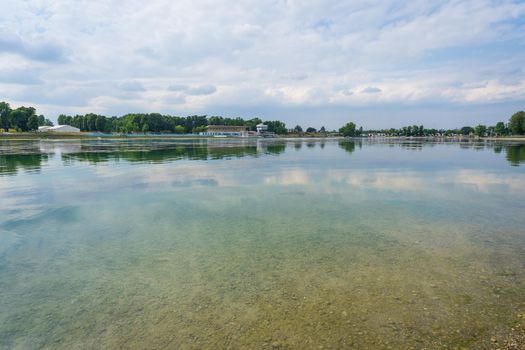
[314, 63]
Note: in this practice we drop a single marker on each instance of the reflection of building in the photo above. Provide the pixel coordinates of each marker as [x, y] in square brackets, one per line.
[225, 130]
[58, 128]
[72, 146]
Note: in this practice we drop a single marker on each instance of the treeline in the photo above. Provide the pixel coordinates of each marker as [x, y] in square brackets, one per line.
[159, 123]
[21, 118]
[515, 126]
[25, 119]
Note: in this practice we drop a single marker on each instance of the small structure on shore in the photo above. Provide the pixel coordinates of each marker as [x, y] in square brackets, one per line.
[225, 131]
[261, 129]
[58, 128]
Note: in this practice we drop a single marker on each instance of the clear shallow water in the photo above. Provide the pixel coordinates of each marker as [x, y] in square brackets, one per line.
[295, 244]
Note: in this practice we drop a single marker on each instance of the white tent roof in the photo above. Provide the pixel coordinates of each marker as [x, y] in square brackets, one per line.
[64, 128]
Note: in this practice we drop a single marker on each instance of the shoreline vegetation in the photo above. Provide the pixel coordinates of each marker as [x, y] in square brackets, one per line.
[24, 122]
[21, 136]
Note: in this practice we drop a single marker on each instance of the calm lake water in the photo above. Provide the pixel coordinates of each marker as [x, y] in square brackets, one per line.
[292, 244]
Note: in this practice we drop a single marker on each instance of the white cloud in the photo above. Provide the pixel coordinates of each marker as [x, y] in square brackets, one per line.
[477, 180]
[371, 90]
[288, 177]
[201, 90]
[131, 86]
[26, 76]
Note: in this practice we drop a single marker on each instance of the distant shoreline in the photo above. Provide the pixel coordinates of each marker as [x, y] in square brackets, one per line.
[68, 136]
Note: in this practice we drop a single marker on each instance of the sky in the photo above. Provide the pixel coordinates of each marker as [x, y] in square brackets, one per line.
[380, 64]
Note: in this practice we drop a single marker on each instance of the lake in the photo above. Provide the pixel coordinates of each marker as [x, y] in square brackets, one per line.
[260, 244]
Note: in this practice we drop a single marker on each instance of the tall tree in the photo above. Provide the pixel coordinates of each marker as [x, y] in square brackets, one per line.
[348, 129]
[20, 116]
[480, 130]
[100, 123]
[32, 122]
[500, 129]
[61, 120]
[467, 130]
[276, 126]
[5, 111]
[517, 123]
[41, 120]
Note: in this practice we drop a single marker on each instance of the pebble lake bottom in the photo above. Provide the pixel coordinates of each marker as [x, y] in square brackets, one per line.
[261, 244]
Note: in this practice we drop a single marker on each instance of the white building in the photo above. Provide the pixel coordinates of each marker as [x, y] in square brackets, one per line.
[43, 128]
[261, 128]
[58, 128]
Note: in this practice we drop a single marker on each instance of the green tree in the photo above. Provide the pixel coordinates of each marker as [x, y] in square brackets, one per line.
[251, 124]
[480, 130]
[199, 129]
[61, 120]
[77, 121]
[100, 123]
[68, 120]
[20, 116]
[348, 129]
[310, 129]
[276, 126]
[194, 121]
[91, 122]
[517, 123]
[5, 111]
[179, 129]
[32, 123]
[298, 128]
[467, 130]
[500, 129]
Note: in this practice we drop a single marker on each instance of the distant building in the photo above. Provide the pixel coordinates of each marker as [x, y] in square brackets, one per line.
[58, 128]
[225, 130]
[261, 128]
